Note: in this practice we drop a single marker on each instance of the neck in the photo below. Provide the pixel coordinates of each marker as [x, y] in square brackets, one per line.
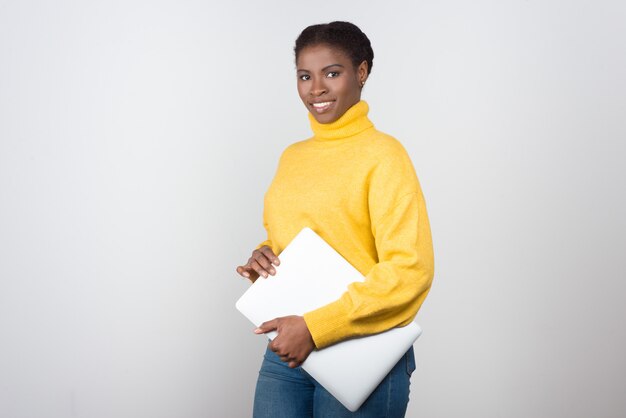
[352, 122]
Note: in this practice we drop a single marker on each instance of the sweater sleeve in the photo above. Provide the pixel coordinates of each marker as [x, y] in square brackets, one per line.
[266, 225]
[268, 241]
[396, 286]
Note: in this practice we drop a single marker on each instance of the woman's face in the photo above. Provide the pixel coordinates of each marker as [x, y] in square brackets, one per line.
[328, 83]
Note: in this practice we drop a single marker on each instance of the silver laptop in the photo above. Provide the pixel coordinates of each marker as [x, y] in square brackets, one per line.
[349, 370]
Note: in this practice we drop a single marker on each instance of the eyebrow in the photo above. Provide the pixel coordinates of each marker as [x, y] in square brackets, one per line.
[325, 68]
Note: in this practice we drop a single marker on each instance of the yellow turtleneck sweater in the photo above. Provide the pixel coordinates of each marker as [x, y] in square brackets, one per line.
[356, 187]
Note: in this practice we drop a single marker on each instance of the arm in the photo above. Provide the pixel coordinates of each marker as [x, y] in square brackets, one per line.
[268, 241]
[260, 263]
[293, 343]
[396, 286]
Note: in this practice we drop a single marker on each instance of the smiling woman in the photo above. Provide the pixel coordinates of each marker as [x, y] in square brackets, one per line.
[357, 188]
[333, 62]
[329, 90]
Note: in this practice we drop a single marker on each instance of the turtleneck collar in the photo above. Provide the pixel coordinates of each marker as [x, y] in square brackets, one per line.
[352, 122]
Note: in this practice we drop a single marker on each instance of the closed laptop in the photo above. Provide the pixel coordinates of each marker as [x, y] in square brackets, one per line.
[312, 274]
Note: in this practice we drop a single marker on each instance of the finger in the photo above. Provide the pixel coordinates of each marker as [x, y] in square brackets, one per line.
[267, 327]
[258, 268]
[293, 364]
[276, 348]
[265, 263]
[269, 254]
[272, 346]
[248, 273]
[242, 271]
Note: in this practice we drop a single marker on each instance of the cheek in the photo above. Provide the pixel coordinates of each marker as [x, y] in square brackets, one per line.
[347, 87]
[301, 92]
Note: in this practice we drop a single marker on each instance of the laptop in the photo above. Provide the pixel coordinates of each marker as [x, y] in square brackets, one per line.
[349, 370]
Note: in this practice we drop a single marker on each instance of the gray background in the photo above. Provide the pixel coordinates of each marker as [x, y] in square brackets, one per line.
[138, 139]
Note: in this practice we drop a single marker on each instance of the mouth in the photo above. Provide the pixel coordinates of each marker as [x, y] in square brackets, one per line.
[322, 107]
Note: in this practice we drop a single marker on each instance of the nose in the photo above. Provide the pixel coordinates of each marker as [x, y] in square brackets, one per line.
[318, 87]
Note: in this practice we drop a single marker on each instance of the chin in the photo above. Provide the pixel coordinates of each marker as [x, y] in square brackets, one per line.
[328, 118]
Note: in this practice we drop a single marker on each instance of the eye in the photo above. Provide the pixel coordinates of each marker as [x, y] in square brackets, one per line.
[304, 77]
[332, 74]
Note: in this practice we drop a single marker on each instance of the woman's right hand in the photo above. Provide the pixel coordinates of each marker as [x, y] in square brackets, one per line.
[259, 264]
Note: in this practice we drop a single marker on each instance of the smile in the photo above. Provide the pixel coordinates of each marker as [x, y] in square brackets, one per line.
[321, 107]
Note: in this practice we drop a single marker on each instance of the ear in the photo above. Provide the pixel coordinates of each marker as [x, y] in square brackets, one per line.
[361, 71]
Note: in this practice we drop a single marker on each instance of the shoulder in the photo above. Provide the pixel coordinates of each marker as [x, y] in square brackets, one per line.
[393, 171]
[297, 146]
[292, 150]
[389, 151]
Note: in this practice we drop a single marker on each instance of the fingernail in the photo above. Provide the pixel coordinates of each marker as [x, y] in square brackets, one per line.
[258, 331]
[245, 273]
[277, 262]
[273, 271]
[265, 275]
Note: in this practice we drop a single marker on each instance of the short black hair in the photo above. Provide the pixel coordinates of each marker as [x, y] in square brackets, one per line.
[344, 35]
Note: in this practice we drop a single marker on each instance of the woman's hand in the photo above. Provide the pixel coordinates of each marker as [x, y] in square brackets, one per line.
[259, 264]
[294, 342]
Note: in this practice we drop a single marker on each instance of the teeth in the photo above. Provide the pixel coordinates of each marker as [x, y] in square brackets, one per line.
[318, 105]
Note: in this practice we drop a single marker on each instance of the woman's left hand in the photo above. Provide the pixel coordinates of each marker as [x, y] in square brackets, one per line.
[294, 342]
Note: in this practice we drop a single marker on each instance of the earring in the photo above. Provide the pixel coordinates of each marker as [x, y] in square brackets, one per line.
[362, 83]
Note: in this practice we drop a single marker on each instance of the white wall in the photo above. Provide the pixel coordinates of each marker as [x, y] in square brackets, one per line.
[137, 139]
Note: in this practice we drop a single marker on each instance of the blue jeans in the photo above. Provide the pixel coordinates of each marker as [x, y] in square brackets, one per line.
[282, 392]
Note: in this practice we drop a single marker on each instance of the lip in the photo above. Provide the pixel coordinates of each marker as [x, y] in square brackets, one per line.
[322, 106]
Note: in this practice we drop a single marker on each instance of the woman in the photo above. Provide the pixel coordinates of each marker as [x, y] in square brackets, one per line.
[357, 188]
